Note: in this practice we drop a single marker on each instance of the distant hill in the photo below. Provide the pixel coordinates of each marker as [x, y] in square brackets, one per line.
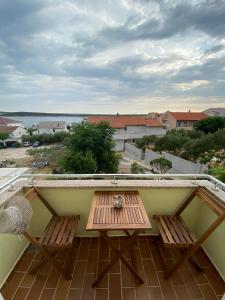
[41, 114]
[37, 114]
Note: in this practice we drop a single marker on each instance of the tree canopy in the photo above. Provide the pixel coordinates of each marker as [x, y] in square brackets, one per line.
[3, 136]
[90, 149]
[161, 165]
[211, 124]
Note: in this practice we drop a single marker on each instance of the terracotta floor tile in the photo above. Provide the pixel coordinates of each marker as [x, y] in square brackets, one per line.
[74, 294]
[216, 281]
[88, 292]
[62, 289]
[115, 287]
[208, 292]
[181, 292]
[200, 277]
[12, 285]
[93, 243]
[47, 294]
[191, 285]
[92, 261]
[155, 254]
[84, 249]
[21, 293]
[123, 243]
[167, 287]
[28, 280]
[116, 267]
[141, 290]
[144, 248]
[202, 258]
[155, 293]
[25, 261]
[177, 279]
[53, 278]
[104, 282]
[128, 294]
[37, 287]
[48, 284]
[104, 250]
[150, 273]
[78, 274]
[127, 277]
[45, 268]
[101, 294]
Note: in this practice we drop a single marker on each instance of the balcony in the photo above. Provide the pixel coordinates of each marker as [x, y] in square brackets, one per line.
[75, 196]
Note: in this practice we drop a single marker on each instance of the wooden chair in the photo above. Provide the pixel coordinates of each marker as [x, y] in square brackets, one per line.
[58, 235]
[175, 233]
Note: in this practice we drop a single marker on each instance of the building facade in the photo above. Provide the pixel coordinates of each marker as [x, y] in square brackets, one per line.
[181, 120]
[51, 127]
[14, 133]
[129, 128]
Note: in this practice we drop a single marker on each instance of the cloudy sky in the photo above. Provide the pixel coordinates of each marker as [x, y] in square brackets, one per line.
[126, 56]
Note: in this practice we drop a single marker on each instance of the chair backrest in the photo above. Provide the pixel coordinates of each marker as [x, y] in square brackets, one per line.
[208, 197]
[214, 203]
[33, 193]
[211, 200]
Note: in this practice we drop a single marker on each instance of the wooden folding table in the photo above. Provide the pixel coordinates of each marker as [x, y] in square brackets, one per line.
[103, 217]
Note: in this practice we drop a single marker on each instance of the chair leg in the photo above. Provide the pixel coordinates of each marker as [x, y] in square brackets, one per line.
[187, 255]
[70, 260]
[38, 264]
[193, 261]
[46, 253]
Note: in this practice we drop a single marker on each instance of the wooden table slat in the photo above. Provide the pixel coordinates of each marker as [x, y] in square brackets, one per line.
[132, 215]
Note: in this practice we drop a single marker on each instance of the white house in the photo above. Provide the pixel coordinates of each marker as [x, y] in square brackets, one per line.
[9, 122]
[181, 120]
[51, 127]
[129, 128]
[15, 134]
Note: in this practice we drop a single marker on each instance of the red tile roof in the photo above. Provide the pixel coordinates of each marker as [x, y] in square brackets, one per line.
[189, 116]
[7, 129]
[122, 121]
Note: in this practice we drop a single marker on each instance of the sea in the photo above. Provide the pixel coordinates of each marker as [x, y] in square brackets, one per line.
[28, 121]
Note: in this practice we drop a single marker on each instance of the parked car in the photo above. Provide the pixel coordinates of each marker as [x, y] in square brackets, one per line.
[40, 164]
[36, 144]
[27, 144]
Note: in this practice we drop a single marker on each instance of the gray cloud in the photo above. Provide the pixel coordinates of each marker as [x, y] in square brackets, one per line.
[90, 53]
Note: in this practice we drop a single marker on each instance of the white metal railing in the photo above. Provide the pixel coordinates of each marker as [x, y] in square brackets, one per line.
[217, 183]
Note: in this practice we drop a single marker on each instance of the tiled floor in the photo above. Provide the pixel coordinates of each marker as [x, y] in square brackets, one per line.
[119, 283]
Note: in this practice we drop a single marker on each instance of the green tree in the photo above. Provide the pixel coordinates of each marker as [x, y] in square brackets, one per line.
[218, 172]
[173, 141]
[161, 165]
[211, 124]
[136, 168]
[92, 145]
[3, 136]
[146, 141]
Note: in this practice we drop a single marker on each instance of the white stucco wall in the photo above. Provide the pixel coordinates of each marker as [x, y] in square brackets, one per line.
[18, 132]
[119, 145]
[50, 130]
[137, 132]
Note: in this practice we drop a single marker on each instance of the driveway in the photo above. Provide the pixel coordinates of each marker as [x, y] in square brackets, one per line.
[15, 153]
